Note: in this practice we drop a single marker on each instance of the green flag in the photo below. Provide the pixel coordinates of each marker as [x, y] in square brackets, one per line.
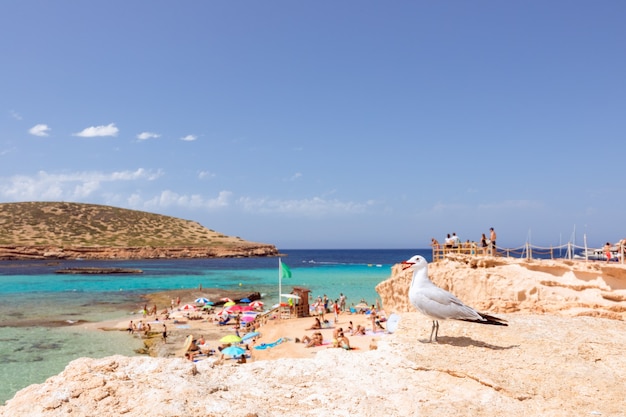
[285, 272]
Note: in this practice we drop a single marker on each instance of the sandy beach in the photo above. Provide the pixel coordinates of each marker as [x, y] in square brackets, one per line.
[272, 328]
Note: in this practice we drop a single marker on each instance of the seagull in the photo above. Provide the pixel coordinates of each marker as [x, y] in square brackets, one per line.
[438, 303]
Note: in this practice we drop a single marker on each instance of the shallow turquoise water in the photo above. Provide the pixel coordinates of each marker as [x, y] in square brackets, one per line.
[34, 343]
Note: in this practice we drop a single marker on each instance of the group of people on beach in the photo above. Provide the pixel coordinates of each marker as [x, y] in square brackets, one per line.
[320, 306]
[453, 242]
[324, 305]
[339, 335]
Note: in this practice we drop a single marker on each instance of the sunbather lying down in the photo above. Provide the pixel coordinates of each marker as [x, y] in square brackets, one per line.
[315, 340]
[316, 325]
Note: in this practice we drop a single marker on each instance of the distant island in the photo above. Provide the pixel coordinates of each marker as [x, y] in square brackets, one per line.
[60, 230]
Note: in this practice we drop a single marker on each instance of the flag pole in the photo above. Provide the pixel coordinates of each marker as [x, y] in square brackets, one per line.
[280, 277]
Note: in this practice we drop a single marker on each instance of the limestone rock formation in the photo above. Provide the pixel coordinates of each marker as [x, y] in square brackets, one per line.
[508, 285]
[539, 365]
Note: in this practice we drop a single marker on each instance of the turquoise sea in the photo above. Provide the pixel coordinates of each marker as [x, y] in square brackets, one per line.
[36, 340]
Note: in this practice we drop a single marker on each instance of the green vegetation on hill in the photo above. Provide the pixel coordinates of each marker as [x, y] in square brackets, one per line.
[76, 224]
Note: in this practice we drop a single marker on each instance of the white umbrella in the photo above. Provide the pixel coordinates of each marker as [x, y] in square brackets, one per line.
[188, 307]
[295, 297]
[201, 300]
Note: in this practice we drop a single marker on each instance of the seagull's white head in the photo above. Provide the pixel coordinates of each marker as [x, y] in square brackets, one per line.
[416, 262]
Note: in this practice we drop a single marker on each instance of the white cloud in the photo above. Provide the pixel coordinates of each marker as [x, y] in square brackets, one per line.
[147, 135]
[295, 176]
[314, 207]
[189, 138]
[138, 174]
[15, 115]
[39, 130]
[203, 175]
[169, 198]
[95, 131]
[76, 186]
[512, 204]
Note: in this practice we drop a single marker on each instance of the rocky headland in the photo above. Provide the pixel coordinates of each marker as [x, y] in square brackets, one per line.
[60, 230]
[142, 252]
[561, 355]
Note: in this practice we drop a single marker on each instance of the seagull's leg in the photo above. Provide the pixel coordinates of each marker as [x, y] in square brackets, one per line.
[435, 330]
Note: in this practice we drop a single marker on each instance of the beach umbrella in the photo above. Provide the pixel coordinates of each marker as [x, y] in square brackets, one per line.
[292, 296]
[188, 307]
[247, 319]
[229, 303]
[361, 306]
[226, 299]
[231, 338]
[250, 335]
[234, 309]
[202, 300]
[233, 351]
[256, 304]
[245, 300]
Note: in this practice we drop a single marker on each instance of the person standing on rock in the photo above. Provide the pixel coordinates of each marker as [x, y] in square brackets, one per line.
[492, 238]
[607, 252]
[164, 333]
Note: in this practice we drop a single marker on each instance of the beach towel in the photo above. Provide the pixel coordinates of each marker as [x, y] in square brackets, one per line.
[264, 346]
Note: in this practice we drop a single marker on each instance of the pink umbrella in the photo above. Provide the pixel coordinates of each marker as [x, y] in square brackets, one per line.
[234, 309]
[247, 319]
[188, 307]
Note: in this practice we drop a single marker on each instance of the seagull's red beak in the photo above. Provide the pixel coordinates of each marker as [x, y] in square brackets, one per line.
[407, 264]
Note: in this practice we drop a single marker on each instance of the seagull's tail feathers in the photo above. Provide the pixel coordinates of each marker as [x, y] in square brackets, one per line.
[487, 319]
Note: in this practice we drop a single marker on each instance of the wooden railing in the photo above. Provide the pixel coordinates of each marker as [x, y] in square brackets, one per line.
[527, 251]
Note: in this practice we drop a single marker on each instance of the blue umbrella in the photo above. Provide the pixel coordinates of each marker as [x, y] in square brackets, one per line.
[202, 300]
[233, 351]
[244, 300]
[250, 336]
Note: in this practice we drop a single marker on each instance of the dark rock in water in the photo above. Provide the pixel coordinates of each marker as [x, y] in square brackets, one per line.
[93, 270]
[252, 297]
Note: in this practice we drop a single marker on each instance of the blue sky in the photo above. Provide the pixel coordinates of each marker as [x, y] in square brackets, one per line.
[351, 124]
